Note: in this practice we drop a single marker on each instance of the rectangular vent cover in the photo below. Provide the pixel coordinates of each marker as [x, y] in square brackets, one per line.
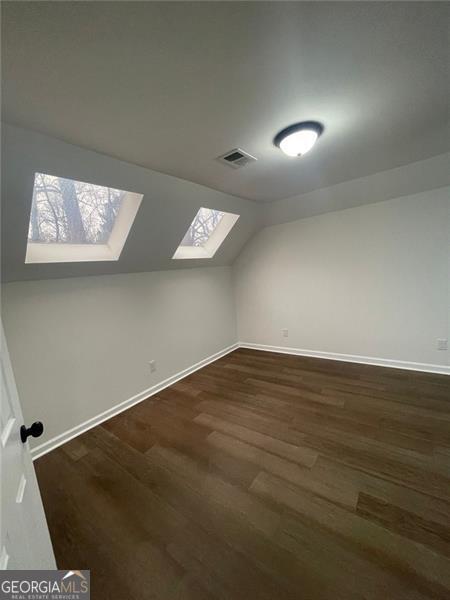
[236, 158]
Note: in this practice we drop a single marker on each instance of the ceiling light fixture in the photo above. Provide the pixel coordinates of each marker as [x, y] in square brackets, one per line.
[298, 139]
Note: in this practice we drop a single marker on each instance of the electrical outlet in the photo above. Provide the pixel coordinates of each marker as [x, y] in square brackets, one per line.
[442, 344]
[285, 332]
[152, 365]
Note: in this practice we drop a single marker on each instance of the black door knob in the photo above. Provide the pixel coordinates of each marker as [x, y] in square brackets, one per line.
[35, 431]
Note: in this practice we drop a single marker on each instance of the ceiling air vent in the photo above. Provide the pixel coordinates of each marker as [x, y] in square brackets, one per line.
[236, 158]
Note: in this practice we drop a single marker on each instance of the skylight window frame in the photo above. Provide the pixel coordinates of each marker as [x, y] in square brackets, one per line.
[215, 240]
[62, 252]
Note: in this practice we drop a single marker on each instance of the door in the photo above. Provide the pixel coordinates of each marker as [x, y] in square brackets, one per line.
[25, 540]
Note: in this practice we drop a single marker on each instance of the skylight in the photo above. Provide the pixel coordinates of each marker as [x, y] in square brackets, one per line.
[205, 234]
[74, 221]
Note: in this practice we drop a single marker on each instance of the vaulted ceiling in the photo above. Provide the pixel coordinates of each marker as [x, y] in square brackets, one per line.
[143, 96]
[167, 209]
[172, 85]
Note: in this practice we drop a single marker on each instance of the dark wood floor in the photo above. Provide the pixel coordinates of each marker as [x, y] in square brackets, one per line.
[262, 476]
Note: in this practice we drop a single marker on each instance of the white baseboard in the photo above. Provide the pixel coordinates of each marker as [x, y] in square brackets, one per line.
[118, 408]
[354, 358]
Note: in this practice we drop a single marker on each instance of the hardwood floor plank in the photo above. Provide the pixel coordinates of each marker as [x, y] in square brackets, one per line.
[427, 532]
[286, 390]
[185, 388]
[191, 589]
[265, 460]
[424, 505]
[389, 548]
[132, 429]
[75, 449]
[301, 455]
[124, 537]
[262, 476]
[398, 471]
[216, 489]
[338, 566]
[252, 420]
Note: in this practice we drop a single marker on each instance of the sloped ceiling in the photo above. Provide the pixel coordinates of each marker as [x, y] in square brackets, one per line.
[166, 211]
[171, 85]
[143, 96]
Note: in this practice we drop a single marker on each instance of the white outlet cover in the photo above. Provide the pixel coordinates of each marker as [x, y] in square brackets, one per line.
[442, 344]
[285, 332]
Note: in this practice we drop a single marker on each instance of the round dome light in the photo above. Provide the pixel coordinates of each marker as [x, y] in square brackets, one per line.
[298, 139]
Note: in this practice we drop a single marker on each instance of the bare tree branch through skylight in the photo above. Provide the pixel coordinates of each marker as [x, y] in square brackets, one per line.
[201, 228]
[72, 212]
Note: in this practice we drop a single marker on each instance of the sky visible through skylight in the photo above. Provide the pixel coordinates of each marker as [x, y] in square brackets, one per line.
[201, 228]
[64, 211]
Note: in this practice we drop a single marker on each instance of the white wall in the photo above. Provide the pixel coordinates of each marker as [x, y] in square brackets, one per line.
[368, 281]
[371, 280]
[80, 346]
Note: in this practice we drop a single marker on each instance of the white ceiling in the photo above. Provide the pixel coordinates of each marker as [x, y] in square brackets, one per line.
[170, 85]
[167, 209]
